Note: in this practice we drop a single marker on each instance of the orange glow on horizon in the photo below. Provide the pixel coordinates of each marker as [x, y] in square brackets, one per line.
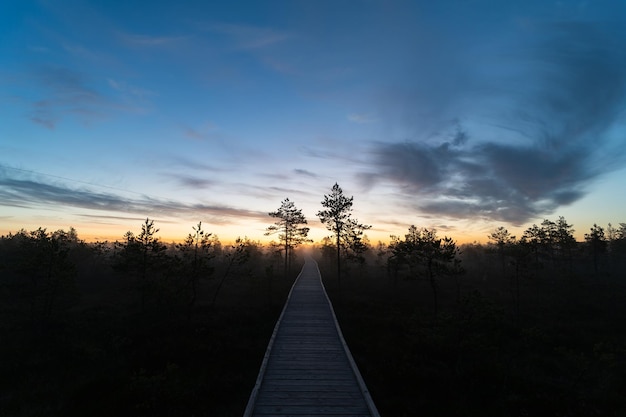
[176, 232]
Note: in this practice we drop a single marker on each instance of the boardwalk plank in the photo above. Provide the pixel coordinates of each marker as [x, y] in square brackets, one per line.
[308, 369]
[278, 410]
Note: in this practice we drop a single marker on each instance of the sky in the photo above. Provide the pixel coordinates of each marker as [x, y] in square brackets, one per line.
[457, 115]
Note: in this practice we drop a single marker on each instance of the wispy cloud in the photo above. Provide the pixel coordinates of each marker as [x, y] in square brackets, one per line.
[248, 36]
[151, 41]
[193, 133]
[191, 181]
[107, 217]
[39, 49]
[267, 45]
[65, 93]
[305, 173]
[555, 144]
[204, 132]
[81, 52]
[32, 192]
[43, 118]
[137, 92]
[290, 191]
[361, 118]
[190, 163]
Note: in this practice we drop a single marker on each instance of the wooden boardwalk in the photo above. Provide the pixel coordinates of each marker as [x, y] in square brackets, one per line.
[308, 369]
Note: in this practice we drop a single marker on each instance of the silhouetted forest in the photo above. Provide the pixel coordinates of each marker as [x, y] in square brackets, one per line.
[529, 325]
[526, 326]
[134, 327]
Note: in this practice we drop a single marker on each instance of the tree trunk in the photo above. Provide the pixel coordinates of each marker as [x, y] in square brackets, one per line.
[433, 285]
[286, 252]
[338, 256]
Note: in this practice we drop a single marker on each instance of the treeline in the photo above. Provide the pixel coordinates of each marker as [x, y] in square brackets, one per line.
[547, 248]
[528, 325]
[135, 327]
[43, 272]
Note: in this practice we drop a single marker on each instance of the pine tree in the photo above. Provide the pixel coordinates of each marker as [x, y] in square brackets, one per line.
[338, 219]
[288, 227]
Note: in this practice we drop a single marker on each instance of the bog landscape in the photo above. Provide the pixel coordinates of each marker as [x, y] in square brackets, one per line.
[281, 208]
[517, 326]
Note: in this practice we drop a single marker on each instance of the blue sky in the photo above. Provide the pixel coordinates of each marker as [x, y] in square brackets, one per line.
[459, 115]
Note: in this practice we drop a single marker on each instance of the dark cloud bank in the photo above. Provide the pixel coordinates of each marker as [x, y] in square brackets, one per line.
[554, 133]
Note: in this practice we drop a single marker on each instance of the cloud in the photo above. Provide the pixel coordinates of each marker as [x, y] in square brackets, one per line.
[289, 192]
[31, 192]
[512, 183]
[189, 163]
[43, 119]
[194, 134]
[248, 36]
[190, 181]
[361, 118]
[134, 91]
[150, 41]
[64, 92]
[205, 132]
[81, 52]
[547, 137]
[66, 83]
[266, 45]
[305, 173]
[105, 217]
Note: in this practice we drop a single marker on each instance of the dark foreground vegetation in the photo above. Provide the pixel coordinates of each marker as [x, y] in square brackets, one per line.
[135, 328]
[518, 327]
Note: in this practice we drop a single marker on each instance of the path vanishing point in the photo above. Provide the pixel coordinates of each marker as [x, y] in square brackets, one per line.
[308, 369]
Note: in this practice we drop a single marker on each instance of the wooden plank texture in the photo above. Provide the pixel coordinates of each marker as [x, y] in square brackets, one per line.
[308, 369]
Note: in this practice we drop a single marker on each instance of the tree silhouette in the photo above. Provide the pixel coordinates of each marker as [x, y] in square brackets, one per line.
[238, 255]
[597, 244]
[338, 219]
[427, 256]
[565, 241]
[139, 256]
[549, 243]
[534, 238]
[328, 251]
[40, 271]
[553, 240]
[196, 253]
[618, 243]
[355, 242]
[290, 234]
[503, 241]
